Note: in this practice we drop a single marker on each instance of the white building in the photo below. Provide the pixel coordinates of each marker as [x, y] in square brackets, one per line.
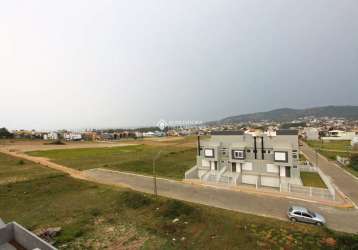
[311, 133]
[354, 142]
[148, 134]
[50, 136]
[339, 135]
[72, 136]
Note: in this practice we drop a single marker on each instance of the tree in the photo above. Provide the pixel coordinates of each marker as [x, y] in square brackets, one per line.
[5, 134]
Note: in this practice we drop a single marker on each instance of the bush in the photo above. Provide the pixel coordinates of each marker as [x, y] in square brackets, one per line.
[56, 142]
[20, 162]
[134, 200]
[95, 212]
[175, 208]
[347, 241]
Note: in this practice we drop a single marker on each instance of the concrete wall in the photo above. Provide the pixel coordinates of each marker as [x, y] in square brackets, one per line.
[25, 238]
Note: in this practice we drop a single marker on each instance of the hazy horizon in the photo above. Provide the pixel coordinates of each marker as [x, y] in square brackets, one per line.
[108, 64]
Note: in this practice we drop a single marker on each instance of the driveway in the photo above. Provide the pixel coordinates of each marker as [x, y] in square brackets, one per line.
[345, 182]
[338, 219]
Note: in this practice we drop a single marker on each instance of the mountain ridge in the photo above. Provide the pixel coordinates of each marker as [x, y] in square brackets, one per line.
[288, 114]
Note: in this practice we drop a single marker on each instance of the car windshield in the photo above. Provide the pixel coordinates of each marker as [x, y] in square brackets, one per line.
[311, 213]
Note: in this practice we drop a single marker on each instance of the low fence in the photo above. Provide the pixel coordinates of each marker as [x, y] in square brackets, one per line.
[314, 192]
[342, 160]
[328, 193]
[320, 192]
[192, 173]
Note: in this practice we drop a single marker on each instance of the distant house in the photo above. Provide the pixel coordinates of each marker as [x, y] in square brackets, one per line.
[70, 136]
[50, 136]
[354, 142]
[172, 133]
[311, 133]
[339, 135]
[148, 134]
[138, 134]
[14, 236]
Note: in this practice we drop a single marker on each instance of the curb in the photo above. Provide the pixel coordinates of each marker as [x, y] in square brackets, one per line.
[331, 204]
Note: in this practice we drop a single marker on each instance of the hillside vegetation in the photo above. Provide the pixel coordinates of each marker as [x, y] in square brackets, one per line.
[288, 114]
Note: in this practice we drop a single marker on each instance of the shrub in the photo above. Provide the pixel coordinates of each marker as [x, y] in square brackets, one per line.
[175, 208]
[20, 162]
[134, 200]
[347, 241]
[56, 142]
[95, 212]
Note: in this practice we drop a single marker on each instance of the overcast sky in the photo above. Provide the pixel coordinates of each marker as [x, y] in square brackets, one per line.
[85, 64]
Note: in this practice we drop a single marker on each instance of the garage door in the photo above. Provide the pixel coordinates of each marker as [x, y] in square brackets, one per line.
[270, 181]
[249, 179]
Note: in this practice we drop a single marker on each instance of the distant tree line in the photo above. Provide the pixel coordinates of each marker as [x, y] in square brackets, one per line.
[5, 134]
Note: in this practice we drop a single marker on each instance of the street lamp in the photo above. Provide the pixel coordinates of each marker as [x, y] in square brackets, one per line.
[154, 174]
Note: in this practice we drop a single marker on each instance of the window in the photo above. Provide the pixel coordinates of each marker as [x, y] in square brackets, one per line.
[297, 213]
[294, 156]
[209, 153]
[306, 215]
[280, 156]
[268, 151]
[248, 151]
[238, 154]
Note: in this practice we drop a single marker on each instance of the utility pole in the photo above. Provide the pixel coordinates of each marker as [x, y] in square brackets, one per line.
[155, 174]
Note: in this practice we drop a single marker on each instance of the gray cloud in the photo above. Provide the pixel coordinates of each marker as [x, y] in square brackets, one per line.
[77, 64]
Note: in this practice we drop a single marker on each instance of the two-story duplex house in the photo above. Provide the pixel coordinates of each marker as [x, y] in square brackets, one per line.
[238, 158]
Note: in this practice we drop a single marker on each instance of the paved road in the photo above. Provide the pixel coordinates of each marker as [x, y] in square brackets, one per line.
[338, 219]
[345, 182]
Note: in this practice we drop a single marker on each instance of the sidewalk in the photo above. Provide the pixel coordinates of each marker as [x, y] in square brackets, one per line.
[341, 202]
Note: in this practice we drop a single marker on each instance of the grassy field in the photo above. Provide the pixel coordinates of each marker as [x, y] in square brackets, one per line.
[20, 170]
[331, 145]
[172, 163]
[312, 179]
[100, 217]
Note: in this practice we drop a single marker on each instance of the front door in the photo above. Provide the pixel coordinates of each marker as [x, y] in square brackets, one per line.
[233, 167]
[214, 165]
[288, 171]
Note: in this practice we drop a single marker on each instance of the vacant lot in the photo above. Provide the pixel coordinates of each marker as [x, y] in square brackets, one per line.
[312, 179]
[173, 161]
[20, 170]
[99, 217]
[331, 145]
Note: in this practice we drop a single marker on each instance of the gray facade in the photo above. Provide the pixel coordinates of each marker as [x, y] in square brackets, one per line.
[238, 158]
